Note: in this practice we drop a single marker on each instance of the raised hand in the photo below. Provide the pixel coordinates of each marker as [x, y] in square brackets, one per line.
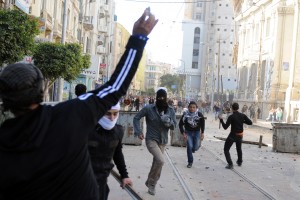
[145, 24]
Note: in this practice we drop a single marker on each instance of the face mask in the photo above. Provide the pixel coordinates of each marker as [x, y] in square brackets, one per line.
[106, 123]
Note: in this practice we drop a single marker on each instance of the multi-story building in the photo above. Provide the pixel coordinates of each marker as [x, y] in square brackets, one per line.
[208, 38]
[154, 71]
[118, 46]
[268, 64]
[88, 22]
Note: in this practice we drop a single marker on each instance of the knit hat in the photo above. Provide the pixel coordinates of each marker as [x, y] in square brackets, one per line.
[21, 85]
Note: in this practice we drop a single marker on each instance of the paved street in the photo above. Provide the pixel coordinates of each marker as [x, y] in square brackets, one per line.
[264, 174]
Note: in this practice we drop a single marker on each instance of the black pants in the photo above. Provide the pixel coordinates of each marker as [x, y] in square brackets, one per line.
[103, 189]
[228, 143]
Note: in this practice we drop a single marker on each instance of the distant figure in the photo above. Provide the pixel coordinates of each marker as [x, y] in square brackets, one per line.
[244, 109]
[236, 121]
[252, 111]
[278, 114]
[80, 89]
[137, 104]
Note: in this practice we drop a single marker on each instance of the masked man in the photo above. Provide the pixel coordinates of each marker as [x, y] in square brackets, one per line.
[160, 117]
[105, 144]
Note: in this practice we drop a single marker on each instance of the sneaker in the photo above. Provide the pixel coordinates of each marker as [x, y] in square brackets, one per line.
[189, 165]
[239, 163]
[229, 166]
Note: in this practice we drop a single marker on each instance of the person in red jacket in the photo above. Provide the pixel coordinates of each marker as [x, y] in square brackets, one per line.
[44, 147]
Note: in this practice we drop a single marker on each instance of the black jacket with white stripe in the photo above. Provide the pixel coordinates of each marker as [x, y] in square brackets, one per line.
[44, 152]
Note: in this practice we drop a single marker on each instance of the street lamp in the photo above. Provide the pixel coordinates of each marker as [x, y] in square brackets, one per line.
[185, 77]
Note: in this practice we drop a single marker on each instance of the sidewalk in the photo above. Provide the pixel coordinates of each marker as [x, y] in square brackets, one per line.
[263, 175]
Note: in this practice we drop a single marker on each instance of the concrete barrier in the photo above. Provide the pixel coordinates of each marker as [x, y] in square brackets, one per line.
[286, 137]
[177, 138]
[126, 120]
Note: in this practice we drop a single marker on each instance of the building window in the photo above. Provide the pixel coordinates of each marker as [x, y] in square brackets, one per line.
[268, 25]
[195, 65]
[199, 4]
[197, 30]
[218, 29]
[198, 16]
[196, 40]
[195, 52]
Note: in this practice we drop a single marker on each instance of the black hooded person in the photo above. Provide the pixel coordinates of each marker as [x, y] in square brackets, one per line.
[160, 118]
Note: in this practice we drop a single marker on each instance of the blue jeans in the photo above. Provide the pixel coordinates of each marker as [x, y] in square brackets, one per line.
[193, 144]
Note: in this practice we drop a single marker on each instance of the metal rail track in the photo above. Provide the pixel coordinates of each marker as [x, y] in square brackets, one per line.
[260, 189]
[179, 177]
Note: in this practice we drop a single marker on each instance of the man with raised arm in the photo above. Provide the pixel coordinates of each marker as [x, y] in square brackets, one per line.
[43, 149]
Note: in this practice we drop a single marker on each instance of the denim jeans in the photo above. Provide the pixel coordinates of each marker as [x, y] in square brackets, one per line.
[193, 144]
[157, 150]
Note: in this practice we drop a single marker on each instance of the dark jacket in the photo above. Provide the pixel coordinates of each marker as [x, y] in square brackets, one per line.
[44, 153]
[156, 130]
[192, 123]
[236, 120]
[105, 145]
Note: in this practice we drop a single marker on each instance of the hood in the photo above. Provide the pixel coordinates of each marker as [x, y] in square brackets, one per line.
[24, 133]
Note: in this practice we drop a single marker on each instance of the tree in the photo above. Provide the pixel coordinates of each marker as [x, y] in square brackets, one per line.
[57, 60]
[17, 32]
[171, 82]
[150, 92]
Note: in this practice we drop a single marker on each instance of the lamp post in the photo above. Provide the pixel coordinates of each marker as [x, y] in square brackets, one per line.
[185, 95]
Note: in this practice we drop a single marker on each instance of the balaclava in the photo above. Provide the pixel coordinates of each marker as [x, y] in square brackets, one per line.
[108, 124]
[161, 100]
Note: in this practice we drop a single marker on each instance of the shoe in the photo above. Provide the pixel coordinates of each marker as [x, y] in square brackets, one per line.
[189, 165]
[193, 151]
[229, 166]
[151, 188]
[239, 163]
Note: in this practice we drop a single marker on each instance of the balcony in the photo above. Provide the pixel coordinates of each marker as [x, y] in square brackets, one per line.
[88, 23]
[105, 8]
[102, 29]
[101, 50]
[48, 19]
[57, 29]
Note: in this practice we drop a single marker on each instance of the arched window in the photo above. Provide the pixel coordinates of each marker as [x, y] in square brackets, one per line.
[197, 30]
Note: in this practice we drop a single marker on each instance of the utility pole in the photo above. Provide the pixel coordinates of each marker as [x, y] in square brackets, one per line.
[219, 52]
[60, 81]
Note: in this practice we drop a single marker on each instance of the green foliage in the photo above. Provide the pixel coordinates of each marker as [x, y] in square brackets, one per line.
[150, 92]
[57, 60]
[17, 32]
[168, 80]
